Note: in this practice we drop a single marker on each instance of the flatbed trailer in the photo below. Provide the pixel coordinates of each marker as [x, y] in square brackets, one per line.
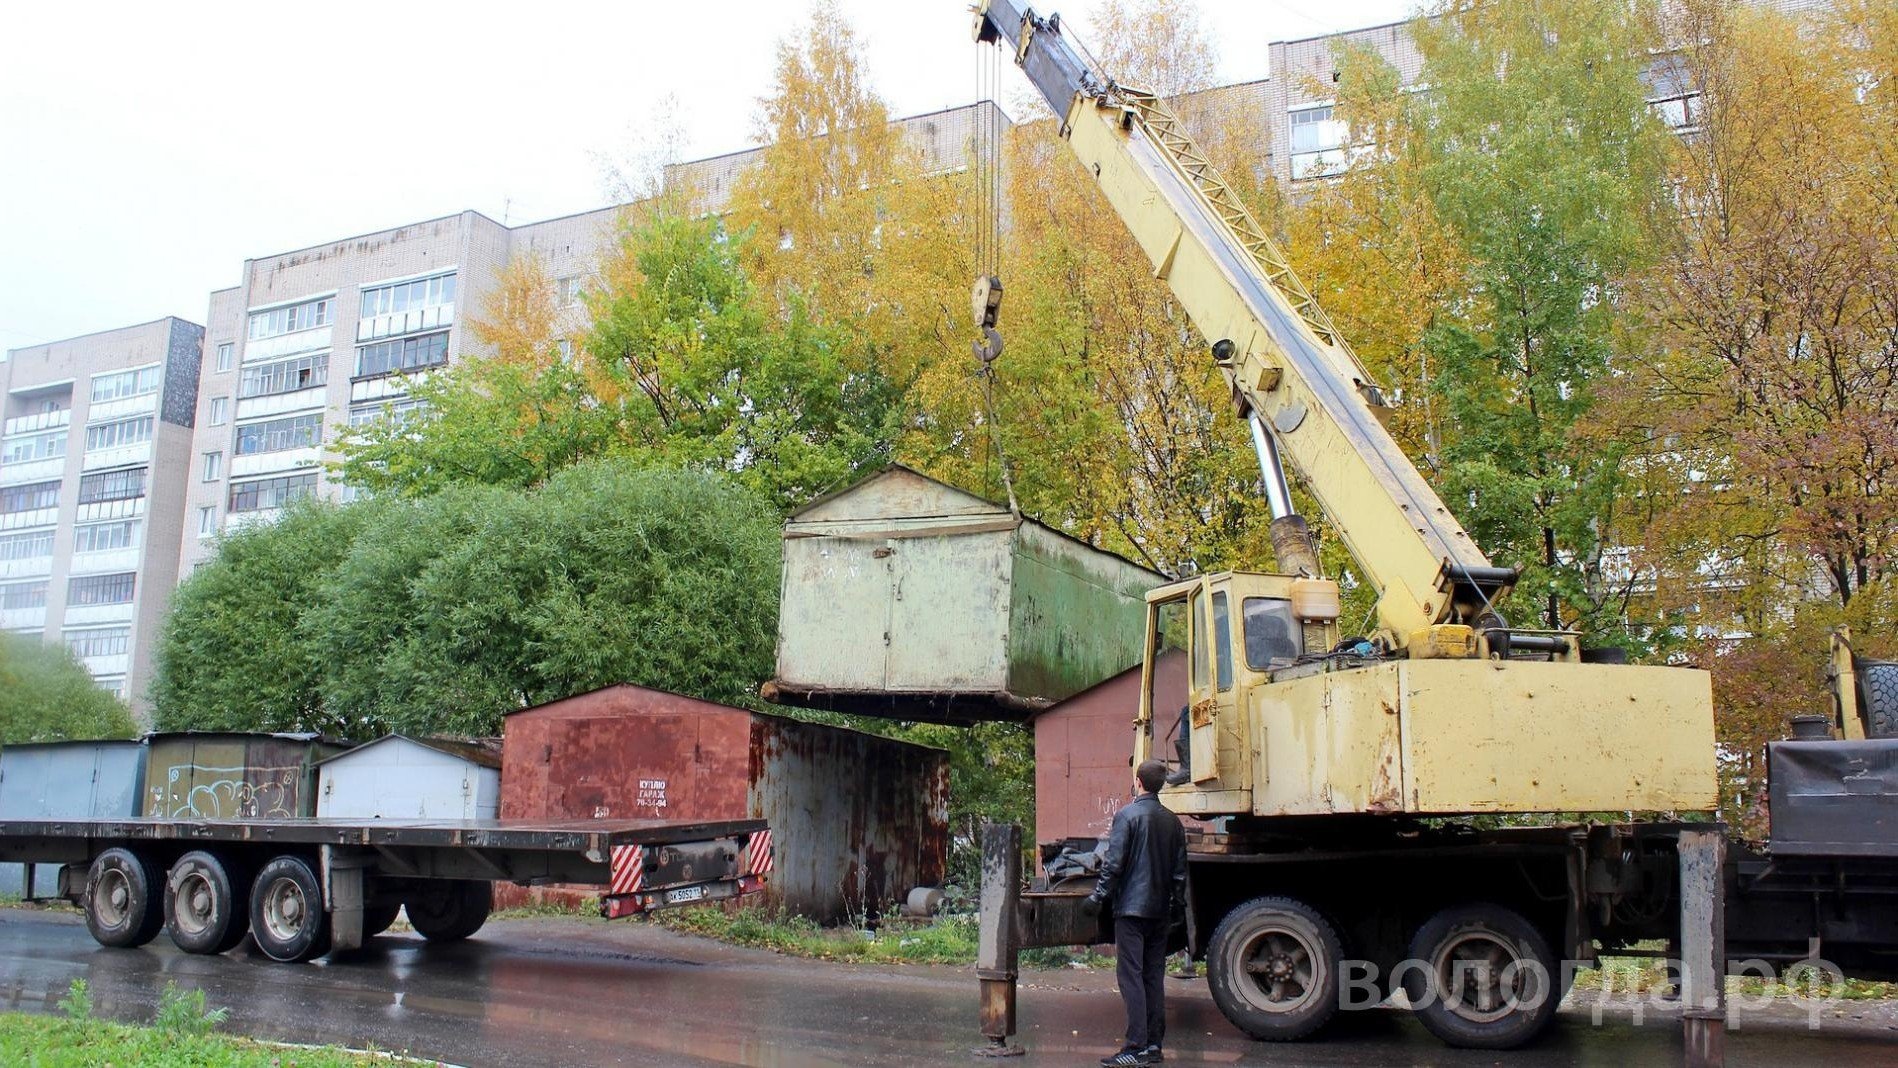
[303, 888]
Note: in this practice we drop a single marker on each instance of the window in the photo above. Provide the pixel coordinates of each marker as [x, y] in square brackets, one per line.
[1681, 113]
[402, 354]
[1222, 642]
[100, 589]
[120, 433]
[30, 497]
[110, 641]
[569, 292]
[226, 355]
[134, 383]
[48, 446]
[28, 546]
[1317, 142]
[277, 435]
[283, 376]
[112, 486]
[220, 411]
[213, 466]
[1198, 610]
[271, 492]
[408, 296]
[1272, 638]
[288, 320]
[397, 410]
[104, 537]
[207, 521]
[17, 595]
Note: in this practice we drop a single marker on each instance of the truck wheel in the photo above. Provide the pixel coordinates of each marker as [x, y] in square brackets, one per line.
[1487, 979]
[1878, 681]
[207, 905]
[287, 917]
[124, 899]
[379, 918]
[1272, 966]
[450, 910]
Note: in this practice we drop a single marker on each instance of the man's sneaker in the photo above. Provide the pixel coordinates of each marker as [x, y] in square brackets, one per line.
[1126, 1058]
[1154, 1055]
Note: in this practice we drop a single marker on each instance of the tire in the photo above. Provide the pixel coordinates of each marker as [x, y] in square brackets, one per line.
[207, 904]
[1489, 980]
[125, 899]
[1878, 688]
[379, 918]
[450, 910]
[287, 917]
[1273, 968]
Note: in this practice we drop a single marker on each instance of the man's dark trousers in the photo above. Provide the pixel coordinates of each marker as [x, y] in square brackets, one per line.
[1140, 966]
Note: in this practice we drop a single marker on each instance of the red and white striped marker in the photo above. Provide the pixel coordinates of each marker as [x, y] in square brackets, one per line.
[629, 869]
[758, 859]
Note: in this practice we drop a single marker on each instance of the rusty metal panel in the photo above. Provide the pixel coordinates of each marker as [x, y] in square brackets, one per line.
[214, 775]
[857, 820]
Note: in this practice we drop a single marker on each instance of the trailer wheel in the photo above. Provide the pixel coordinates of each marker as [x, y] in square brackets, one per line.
[1487, 980]
[207, 904]
[1272, 966]
[379, 918]
[1878, 681]
[287, 917]
[124, 899]
[449, 910]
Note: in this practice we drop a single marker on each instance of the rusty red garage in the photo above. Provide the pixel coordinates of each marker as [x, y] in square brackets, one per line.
[858, 820]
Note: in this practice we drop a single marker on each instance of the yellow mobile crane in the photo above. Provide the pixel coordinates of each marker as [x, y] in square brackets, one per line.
[1303, 747]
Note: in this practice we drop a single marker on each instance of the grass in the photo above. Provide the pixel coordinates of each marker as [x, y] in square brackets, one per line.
[1646, 975]
[942, 940]
[181, 1036]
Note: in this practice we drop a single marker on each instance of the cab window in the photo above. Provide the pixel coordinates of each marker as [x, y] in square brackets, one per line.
[1222, 642]
[1198, 612]
[1272, 635]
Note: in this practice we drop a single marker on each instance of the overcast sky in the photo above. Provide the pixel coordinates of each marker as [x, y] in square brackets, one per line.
[149, 149]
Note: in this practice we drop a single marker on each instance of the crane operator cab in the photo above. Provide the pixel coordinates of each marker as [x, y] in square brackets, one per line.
[1261, 706]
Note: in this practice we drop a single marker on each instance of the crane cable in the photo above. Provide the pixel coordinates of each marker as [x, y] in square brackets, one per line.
[986, 294]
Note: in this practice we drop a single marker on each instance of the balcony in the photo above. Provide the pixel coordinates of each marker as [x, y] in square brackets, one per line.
[105, 562]
[29, 424]
[129, 508]
[237, 521]
[395, 324]
[123, 407]
[31, 567]
[35, 517]
[276, 462]
[283, 403]
[23, 618]
[33, 471]
[82, 614]
[98, 666]
[270, 348]
[118, 456]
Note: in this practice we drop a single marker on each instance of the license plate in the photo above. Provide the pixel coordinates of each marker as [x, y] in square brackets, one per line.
[684, 894]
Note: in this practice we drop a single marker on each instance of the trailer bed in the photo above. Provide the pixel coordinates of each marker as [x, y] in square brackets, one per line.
[566, 836]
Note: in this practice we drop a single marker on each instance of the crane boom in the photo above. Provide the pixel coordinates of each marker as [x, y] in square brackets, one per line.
[1305, 393]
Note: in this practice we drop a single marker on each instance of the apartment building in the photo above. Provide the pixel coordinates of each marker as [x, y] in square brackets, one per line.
[318, 339]
[94, 430]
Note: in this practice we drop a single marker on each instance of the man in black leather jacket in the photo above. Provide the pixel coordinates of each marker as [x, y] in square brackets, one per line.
[1143, 882]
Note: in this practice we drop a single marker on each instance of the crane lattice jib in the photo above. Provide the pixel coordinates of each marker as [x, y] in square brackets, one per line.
[1285, 361]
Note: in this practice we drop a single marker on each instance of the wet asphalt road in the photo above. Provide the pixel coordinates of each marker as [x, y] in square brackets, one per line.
[575, 992]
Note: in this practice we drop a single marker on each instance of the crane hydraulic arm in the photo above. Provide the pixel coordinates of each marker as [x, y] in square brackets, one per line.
[1303, 392]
